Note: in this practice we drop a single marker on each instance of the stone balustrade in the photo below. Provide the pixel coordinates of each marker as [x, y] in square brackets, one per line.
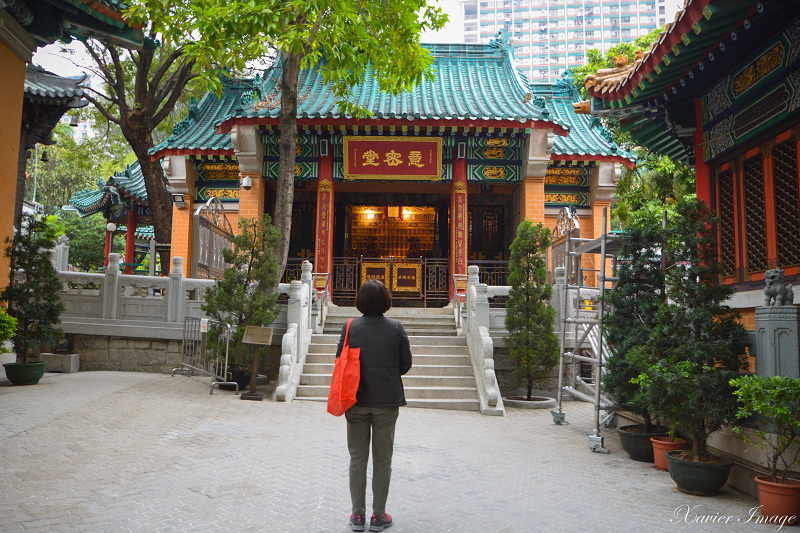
[128, 322]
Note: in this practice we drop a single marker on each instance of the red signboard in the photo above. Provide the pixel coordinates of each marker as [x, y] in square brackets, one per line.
[370, 158]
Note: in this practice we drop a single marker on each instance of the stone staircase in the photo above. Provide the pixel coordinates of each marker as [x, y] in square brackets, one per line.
[441, 376]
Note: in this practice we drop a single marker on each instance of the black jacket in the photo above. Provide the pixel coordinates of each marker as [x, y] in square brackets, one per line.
[385, 356]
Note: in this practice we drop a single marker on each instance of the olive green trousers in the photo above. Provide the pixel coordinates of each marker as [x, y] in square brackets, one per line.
[377, 423]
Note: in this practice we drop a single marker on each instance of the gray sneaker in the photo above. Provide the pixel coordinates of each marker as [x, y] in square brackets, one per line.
[358, 522]
[379, 523]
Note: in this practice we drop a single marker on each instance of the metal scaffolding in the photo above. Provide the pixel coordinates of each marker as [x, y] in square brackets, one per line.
[580, 313]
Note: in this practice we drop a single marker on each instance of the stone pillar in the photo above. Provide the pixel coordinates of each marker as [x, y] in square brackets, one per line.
[181, 176]
[778, 341]
[323, 250]
[306, 269]
[538, 147]
[250, 154]
[176, 296]
[111, 287]
[129, 239]
[602, 183]
[458, 220]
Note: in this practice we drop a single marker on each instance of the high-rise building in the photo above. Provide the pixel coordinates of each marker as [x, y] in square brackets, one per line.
[550, 36]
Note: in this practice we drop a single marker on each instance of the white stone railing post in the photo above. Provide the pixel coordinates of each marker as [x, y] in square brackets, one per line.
[176, 298]
[111, 287]
[306, 268]
[472, 280]
[294, 346]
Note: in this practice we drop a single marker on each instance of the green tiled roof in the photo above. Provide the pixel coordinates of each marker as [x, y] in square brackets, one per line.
[53, 20]
[197, 133]
[144, 233]
[47, 88]
[123, 187]
[472, 82]
[587, 136]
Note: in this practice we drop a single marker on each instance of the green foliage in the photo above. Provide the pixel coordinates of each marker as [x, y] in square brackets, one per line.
[655, 184]
[87, 240]
[221, 35]
[634, 303]
[532, 343]
[8, 328]
[597, 60]
[777, 400]
[696, 339]
[33, 300]
[247, 293]
[72, 167]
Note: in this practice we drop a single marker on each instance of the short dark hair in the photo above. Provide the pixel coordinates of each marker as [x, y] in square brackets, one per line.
[373, 298]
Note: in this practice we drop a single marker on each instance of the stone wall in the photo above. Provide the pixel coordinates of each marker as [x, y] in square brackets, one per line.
[145, 355]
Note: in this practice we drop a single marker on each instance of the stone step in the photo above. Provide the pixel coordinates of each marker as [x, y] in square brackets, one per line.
[412, 393]
[415, 350]
[417, 340]
[453, 360]
[454, 405]
[326, 369]
[408, 381]
[410, 331]
[395, 312]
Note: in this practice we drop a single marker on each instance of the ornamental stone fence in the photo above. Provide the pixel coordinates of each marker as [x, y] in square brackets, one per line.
[135, 323]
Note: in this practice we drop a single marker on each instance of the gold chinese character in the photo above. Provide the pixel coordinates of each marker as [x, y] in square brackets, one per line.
[393, 159]
[415, 158]
[370, 158]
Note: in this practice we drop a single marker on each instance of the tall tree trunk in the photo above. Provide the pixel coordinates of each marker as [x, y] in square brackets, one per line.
[285, 194]
[137, 129]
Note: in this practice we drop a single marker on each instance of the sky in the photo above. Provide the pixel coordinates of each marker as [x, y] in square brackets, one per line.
[50, 57]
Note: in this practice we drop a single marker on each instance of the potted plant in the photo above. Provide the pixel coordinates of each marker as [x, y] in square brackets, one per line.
[633, 304]
[247, 294]
[695, 349]
[32, 296]
[776, 403]
[532, 343]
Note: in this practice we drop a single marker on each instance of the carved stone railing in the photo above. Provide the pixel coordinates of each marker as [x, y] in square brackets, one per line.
[480, 344]
[113, 304]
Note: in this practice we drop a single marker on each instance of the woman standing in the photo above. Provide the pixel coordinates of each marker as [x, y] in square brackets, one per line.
[385, 356]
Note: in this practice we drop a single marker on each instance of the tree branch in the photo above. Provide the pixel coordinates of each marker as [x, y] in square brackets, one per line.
[103, 111]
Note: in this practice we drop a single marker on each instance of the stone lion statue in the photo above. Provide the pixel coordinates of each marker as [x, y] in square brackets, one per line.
[777, 293]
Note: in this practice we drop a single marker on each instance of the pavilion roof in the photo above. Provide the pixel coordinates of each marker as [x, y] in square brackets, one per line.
[125, 187]
[653, 96]
[55, 20]
[471, 82]
[474, 85]
[44, 87]
[588, 140]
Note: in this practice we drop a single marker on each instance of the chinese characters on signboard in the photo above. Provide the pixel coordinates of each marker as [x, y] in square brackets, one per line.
[395, 158]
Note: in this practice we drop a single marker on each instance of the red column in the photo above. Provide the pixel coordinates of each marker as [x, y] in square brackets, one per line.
[458, 220]
[323, 252]
[701, 171]
[129, 239]
[109, 246]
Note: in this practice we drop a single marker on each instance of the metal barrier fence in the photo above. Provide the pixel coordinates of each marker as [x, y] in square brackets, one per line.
[204, 357]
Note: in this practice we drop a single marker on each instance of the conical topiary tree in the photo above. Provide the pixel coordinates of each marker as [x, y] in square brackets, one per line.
[33, 300]
[697, 342]
[633, 305]
[532, 342]
[247, 294]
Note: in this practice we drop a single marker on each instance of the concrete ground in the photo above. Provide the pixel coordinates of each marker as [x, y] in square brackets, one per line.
[119, 452]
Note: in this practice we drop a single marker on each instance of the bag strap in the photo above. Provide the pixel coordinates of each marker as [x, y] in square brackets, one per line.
[347, 334]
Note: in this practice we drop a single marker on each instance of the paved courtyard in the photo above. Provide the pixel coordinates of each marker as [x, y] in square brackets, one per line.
[119, 452]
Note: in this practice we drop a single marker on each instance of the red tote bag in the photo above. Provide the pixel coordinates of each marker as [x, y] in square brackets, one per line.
[346, 375]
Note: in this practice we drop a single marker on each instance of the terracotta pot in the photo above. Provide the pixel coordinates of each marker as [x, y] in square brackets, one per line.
[665, 444]
[700, 479]
[636, 442]
[780, 502]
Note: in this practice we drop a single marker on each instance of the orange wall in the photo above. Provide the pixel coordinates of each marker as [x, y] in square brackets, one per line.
[11, 93]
